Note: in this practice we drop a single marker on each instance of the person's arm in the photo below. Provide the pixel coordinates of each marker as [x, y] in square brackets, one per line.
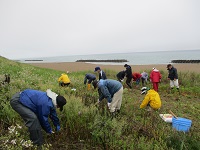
[145, 101]
[175, 74]
[106, 93]
[43, 113]
[85, 80]
[54, 118]
[60, 79]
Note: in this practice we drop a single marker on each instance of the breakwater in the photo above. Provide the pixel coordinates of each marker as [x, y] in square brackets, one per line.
[185, 61]
[102, 60]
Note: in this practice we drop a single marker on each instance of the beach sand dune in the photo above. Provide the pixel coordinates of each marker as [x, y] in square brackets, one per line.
[81, 66]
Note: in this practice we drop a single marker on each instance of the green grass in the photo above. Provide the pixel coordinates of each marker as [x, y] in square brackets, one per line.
[86, 126]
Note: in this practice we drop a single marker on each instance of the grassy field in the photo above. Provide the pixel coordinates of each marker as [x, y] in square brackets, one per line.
[86, 126]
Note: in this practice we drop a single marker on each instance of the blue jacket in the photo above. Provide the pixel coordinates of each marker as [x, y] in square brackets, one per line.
[42, 106]
[107, 88]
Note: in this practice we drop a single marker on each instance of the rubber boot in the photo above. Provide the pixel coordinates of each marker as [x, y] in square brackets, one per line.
[88, 86]
[36, 137]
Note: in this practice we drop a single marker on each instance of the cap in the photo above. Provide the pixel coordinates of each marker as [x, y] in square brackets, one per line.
[169, 65]
[61, 101]
[96, 68]
[144, 90]
[125, 65]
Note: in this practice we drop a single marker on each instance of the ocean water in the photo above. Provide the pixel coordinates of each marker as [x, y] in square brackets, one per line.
[135, 58]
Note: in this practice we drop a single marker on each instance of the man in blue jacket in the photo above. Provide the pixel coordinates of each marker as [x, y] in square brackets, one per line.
[112, 90]
[35, 107]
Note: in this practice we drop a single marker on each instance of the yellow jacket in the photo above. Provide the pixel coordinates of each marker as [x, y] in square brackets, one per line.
[153, 99]
[64, 78]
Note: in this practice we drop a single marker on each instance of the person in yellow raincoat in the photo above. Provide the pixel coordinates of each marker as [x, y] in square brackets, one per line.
[152, 98]
[64, 80]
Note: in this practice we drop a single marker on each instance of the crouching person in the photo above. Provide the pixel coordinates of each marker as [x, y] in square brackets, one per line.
[152, 99]
[35, 107]
[112, 90]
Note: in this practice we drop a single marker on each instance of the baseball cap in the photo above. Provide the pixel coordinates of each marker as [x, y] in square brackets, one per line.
[96, 68]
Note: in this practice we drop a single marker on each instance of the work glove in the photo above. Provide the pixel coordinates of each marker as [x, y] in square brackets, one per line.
[88, 87]
[109, 105]
[57, 128]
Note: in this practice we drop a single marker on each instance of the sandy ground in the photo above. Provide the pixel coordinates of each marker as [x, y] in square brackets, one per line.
[81, 66]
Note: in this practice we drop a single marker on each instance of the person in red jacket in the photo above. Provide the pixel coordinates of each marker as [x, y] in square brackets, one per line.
[136, 77]
[155, 78]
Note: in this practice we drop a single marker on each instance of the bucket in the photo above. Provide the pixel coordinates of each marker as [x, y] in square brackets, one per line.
[181, 124]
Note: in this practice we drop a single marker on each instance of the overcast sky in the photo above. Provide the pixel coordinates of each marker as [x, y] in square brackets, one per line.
[43, 28]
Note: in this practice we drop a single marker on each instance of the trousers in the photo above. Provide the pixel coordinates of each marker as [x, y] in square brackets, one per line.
[30, 119]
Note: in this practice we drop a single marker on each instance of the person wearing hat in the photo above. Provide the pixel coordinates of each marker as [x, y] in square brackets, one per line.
[152, 98]
[64, 80]
[101, 73]
[155, 78]
[173, 76]
[35, 107]
[90, 77]
[128, 75]
[112, 90]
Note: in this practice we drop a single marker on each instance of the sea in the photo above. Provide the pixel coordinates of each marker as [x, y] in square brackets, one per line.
[134, 58]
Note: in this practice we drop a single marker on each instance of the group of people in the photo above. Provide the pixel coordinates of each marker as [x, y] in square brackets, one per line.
[36, 106]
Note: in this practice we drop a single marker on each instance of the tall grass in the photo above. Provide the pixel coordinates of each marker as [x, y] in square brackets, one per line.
[87, 126]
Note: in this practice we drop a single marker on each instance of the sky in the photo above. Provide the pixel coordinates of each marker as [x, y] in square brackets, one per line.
[47, 28]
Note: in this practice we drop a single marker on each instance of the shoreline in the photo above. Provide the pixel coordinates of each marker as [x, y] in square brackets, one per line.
[82, 66]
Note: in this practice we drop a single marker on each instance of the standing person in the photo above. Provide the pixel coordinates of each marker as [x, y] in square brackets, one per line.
[90, 77]
[152, 98]
[173, 76]
[128, 75]
[136, 77]
[120, 75]
[64, 80]
[155, 78]
[144, 78]
[112, 90]
[101, 73]
[35, 107]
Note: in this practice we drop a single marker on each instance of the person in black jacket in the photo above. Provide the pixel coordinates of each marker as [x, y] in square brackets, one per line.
[121, 75]
[173, 76]
[90, 77]
[101, 73]
[129, 77]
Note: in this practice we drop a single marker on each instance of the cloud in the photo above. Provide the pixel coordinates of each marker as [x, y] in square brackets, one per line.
[65, 27]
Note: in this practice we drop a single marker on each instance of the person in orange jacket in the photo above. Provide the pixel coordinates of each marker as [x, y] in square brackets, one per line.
[152, 98]
[64, 80]
[155, 78]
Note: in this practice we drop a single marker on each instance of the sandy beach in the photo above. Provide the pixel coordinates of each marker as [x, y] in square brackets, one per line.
[81, 66]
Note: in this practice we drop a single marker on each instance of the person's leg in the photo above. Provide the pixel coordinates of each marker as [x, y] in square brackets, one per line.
[171, 84]
[128, 82]
[143, 80]
[176, 83]
[157, 86]
[30, 119]
[154, 86]
[116, 101]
